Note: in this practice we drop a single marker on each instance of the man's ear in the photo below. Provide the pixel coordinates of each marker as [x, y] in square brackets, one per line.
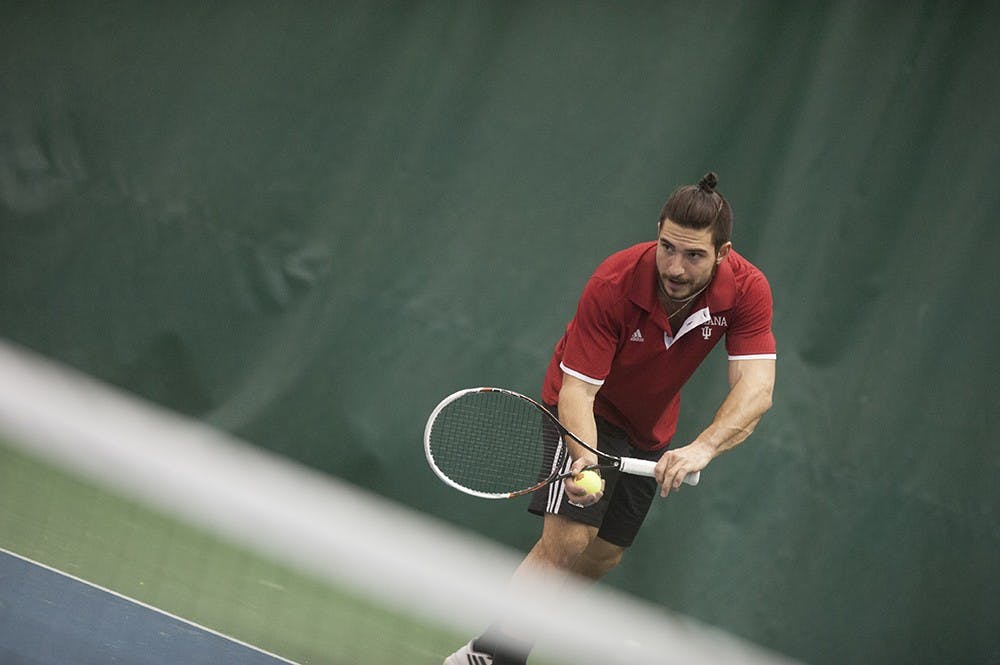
[723, 252]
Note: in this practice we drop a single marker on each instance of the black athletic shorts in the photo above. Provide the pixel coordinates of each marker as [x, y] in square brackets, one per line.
[622, 509]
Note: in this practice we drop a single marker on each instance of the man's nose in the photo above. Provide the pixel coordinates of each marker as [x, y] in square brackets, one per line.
[674, 267]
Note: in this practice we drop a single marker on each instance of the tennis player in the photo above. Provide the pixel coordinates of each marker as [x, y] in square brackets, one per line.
[648, 317]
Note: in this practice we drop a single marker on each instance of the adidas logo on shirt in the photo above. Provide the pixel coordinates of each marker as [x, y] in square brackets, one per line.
[636, 336]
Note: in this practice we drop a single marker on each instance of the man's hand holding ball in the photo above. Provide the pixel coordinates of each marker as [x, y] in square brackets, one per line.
[585, 487]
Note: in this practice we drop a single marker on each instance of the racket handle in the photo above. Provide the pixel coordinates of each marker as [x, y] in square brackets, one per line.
[643, 467]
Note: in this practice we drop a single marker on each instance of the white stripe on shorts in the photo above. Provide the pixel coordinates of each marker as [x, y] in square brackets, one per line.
[556, 489]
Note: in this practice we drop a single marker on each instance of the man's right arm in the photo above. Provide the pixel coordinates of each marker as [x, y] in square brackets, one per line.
[576, 412]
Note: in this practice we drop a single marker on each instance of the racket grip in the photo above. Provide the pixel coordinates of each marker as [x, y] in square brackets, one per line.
[643, 467]
[638, 467]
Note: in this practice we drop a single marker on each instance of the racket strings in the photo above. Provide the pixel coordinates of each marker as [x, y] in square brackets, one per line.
[494, 442]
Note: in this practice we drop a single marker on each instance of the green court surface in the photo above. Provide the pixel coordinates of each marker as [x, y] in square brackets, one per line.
[80, 529]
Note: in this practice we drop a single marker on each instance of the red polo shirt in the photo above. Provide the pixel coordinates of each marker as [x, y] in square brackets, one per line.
[621, 340]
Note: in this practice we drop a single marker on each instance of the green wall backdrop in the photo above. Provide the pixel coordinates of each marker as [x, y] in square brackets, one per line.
[307, 222]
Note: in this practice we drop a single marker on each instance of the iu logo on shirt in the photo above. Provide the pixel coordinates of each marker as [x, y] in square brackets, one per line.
[706, 331]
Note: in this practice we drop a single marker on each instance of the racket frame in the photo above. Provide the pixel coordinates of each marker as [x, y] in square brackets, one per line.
[630, 465]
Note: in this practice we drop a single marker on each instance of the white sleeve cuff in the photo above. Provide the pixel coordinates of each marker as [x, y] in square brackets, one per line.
[582, 377]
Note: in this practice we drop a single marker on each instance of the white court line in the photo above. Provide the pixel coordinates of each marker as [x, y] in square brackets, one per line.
[146, 606]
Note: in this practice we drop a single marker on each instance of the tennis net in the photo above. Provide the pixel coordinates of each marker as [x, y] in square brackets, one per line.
[166, 510]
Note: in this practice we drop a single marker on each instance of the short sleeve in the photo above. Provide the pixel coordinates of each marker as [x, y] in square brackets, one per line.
[592, 336]
[750, 334]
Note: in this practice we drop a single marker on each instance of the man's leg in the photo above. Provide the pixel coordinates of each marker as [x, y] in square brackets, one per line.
[563, 545]
[598, 559]
[562, 542]
[569, 544]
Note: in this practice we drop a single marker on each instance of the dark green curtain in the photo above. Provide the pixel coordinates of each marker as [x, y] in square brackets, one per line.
[307, 223]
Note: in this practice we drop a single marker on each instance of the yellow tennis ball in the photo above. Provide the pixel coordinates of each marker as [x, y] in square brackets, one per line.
[589, 480]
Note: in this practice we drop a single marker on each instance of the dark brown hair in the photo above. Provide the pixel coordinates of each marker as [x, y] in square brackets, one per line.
[701, 207]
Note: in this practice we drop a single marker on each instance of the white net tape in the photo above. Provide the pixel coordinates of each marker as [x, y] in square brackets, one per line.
[300, 517]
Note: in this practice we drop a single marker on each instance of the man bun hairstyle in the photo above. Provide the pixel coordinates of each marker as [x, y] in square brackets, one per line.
[701, 207]
[708, 182]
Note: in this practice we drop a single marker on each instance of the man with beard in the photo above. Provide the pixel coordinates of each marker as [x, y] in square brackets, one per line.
[648, 317]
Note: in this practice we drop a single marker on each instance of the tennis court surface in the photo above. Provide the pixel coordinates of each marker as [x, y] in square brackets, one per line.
[56, 520]
[50, 618]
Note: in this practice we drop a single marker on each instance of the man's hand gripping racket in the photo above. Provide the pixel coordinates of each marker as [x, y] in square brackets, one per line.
[499, 444]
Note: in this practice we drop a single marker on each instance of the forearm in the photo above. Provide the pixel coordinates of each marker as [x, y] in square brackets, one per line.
[576, 412]
[736, 419]
[751, 383]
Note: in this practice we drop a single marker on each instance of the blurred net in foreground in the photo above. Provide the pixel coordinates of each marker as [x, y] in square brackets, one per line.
[182, 517]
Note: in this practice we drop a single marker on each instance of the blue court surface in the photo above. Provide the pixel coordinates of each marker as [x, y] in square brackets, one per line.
[51, 618]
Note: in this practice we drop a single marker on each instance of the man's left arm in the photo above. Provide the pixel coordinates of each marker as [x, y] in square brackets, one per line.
[751, 384]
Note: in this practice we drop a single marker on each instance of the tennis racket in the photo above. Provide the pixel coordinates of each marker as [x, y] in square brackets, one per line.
[498, 444]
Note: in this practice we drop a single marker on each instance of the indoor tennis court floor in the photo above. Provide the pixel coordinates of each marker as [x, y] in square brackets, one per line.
[50, 618]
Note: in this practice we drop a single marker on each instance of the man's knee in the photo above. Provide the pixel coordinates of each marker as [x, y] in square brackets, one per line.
[604, 553]
[598, 559]
[563, 541]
